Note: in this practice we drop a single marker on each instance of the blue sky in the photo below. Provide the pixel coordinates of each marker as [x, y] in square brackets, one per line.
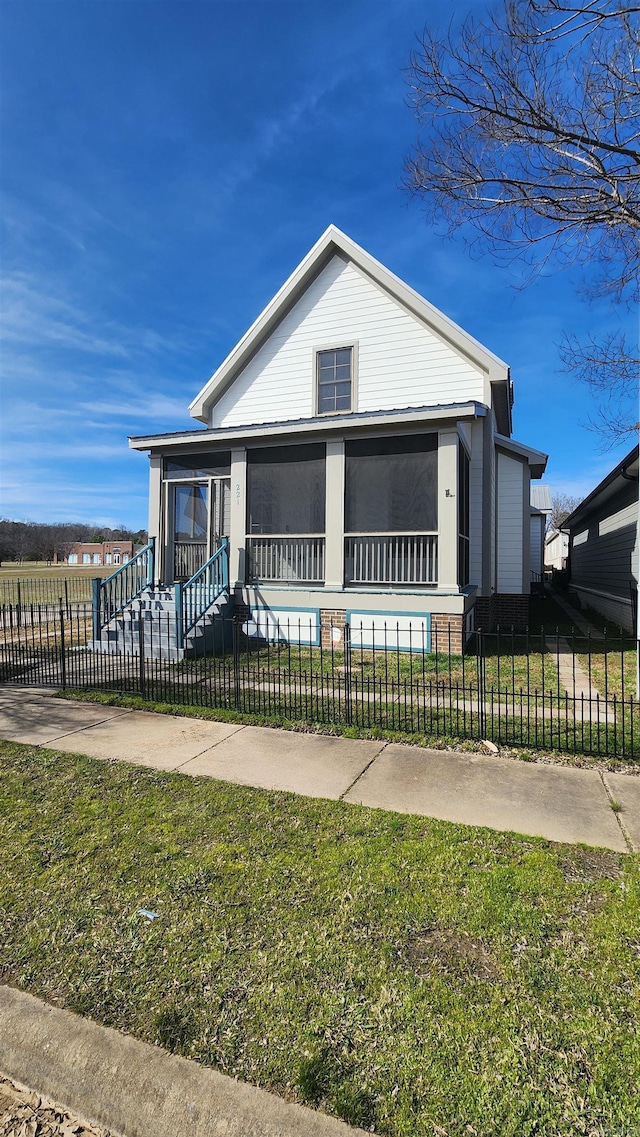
[165, 166]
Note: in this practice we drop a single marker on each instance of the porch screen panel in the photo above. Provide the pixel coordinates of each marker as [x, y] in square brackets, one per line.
[286, 489]
[392, 485]
[209, 464]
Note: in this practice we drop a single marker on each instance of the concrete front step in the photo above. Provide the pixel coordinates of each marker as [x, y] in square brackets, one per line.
[150, 621]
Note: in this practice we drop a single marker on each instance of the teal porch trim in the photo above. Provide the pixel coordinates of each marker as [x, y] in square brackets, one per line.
[193, 597]
[112, 595]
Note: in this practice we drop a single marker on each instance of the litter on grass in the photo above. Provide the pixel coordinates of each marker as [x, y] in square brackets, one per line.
[148, 914]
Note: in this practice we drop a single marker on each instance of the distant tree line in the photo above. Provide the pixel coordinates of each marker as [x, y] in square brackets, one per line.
[32, 541]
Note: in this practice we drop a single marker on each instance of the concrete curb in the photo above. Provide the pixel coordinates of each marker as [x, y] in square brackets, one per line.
[136, 1089]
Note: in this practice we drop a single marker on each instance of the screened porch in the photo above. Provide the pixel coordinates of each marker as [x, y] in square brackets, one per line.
[385, 520]
[347, 513]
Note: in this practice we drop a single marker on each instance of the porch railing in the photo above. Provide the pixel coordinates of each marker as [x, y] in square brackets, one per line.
[391, 558]
[111, 595]
[284, 558]
[188, 558]
[194, 596]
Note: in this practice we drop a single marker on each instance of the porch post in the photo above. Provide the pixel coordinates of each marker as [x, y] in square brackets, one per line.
[237, 526]
[448, 509]
[334, 525]
[155, 514]
[96, 585]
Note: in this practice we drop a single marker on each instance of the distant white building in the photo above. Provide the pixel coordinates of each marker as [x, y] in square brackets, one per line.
[556, 550]
[540, 511]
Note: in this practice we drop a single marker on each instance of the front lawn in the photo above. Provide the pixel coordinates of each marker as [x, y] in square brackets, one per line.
[415, 976]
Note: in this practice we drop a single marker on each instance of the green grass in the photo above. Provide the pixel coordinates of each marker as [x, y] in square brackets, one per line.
[512, 667]
[402, 973]
[39, 583]
[612, 672]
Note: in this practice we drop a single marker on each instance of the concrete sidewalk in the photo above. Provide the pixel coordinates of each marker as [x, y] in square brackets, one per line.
[556, 802]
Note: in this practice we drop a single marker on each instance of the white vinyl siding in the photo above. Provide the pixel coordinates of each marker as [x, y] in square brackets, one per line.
[510, 539]
[556, 550]
[401, 363]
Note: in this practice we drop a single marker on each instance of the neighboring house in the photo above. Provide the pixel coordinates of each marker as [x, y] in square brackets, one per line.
[603, 545]
[540, 510]
[556, 550]
[100, 553]
[357, 454]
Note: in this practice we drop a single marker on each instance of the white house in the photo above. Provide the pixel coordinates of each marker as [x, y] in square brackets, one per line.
[356, 451]
[540, 510]
[556, 549]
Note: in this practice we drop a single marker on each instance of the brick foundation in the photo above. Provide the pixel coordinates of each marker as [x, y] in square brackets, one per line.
[332, 622]
[446, 633]
[503, 609]
[241, 611]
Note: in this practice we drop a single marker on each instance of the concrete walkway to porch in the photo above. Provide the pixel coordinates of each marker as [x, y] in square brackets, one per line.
[555, 802]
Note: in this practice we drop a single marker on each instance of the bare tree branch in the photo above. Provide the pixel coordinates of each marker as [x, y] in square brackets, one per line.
[530, 134]
[562, 505]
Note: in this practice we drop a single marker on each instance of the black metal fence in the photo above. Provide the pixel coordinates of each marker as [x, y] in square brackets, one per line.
[22, 592]
[538, 691]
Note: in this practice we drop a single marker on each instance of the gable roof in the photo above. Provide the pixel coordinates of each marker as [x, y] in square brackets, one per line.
[536, 459]
[333, 242]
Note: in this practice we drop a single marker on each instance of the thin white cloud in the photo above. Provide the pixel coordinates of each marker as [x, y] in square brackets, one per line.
[37, 314]
[155, 406]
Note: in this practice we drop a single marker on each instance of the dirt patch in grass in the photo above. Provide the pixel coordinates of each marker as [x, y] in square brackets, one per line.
[452, 953]
[590, 864]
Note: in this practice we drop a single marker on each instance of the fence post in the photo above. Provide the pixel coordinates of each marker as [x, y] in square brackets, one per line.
[235, 644]
[481, 682]
[142, 675]
[66, 598]
[19, 607]
[96, 583]
[63, 658]
[348, 710]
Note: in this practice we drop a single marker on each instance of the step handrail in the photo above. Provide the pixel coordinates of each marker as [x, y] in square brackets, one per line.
[112, 595]
[195, 595]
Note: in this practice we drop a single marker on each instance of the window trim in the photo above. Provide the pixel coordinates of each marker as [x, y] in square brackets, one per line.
[338, 345]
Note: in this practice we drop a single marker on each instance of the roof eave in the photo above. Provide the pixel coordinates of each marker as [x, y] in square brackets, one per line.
[626, 470]
[536, 459]
[406, 417]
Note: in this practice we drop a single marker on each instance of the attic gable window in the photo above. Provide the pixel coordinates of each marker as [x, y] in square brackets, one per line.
[335, 380]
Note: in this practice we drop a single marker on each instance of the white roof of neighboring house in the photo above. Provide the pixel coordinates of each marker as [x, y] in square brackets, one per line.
[333, 242]
[551, 535]
[541, 498]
